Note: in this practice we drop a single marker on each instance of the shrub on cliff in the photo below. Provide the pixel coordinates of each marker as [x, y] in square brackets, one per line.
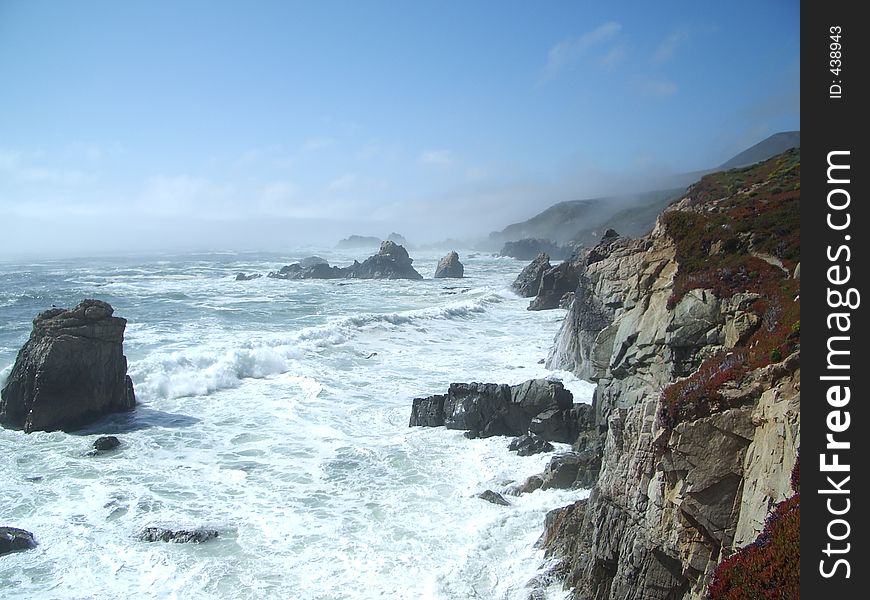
[769, 567]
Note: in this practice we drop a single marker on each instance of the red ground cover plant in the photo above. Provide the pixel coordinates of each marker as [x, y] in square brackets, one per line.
[769, 567]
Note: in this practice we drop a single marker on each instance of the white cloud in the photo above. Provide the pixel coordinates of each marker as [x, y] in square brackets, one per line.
[668, 48]
[567, 51]
[315, 144]
[613, 57]
[436, 158]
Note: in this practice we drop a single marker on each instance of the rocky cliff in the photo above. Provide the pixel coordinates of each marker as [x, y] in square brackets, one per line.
[692, 334]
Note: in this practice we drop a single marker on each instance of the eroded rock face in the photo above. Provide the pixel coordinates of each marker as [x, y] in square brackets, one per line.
[449, 266]
[670, 502]
[70, 372]
[555, 283]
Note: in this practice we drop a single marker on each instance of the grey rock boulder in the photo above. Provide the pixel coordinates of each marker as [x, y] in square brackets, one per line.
[178, 536]
[556, 282]
[449, 266]
[70, 372]
[391, 262]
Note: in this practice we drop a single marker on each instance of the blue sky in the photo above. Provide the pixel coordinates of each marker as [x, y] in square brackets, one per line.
[265, 125]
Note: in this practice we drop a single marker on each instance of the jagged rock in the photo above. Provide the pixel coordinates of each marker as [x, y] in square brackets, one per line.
[428, 412]
[487, 409]
[178, 536]
[244, 277]
[106, 443]
[391, 262]
[449, 266]
[494, 497]
[528, 281]
[555, 283]
[70, 372]
[13, 539]
[527, 249]
[566, 300]
[530, 444]
[562, 471]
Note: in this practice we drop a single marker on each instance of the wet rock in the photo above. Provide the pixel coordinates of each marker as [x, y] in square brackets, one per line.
[428, 412]
[106, 443]
[244, 277]
[556, 282]
[527, 445]
[494, 497]
[391, 262]
[70, 372]
[13, 539]
[178, 536]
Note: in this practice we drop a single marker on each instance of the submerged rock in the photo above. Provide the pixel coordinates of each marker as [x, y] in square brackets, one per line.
[244, 277]
[494, 498]
[527, 445]
[178, 536]
[70, 372]
[13, 539]
[449, 266]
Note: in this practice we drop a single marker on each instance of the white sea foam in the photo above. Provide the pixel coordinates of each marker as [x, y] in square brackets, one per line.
[276, 412]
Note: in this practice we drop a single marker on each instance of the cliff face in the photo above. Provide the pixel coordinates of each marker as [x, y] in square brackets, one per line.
[692, 334]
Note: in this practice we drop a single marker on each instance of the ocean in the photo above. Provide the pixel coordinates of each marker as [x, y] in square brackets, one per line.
[277, 413]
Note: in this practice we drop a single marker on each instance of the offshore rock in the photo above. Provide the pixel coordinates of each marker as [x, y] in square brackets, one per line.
[13, 539]
[244, 277]
[488, 409]
[528, 281]
[106, 443]
[449, 266]
[391, 262]
[178, 536]
[70, 372]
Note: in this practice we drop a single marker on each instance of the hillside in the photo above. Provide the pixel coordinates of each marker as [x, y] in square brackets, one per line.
[583, 221]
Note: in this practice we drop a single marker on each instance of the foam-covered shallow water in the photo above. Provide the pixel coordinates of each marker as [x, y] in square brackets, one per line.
[277, 413]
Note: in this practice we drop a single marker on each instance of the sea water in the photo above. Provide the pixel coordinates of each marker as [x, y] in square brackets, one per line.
[276, 412]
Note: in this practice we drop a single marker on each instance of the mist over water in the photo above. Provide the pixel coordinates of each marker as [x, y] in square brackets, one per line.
[276, 412]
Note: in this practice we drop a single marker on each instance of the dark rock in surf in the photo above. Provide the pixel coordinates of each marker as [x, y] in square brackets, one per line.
[106, 443]
[391, 262]
[311, 261]
[244, 277]
[530, 444]
[70, 372]
[178, 536]
[449, 266]
[494, 498]
[428, 412]
[13, 539]
[528, 281]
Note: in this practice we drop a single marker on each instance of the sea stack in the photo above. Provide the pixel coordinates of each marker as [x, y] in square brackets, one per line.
[70, 372]
[449, 266]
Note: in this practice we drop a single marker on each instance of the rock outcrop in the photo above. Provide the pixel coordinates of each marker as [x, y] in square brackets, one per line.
[528, 281]
[541, 406]
[449, 266]
[70, 372]
[245, 277]
[13, 539]
[391, 262]
[694, 344]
